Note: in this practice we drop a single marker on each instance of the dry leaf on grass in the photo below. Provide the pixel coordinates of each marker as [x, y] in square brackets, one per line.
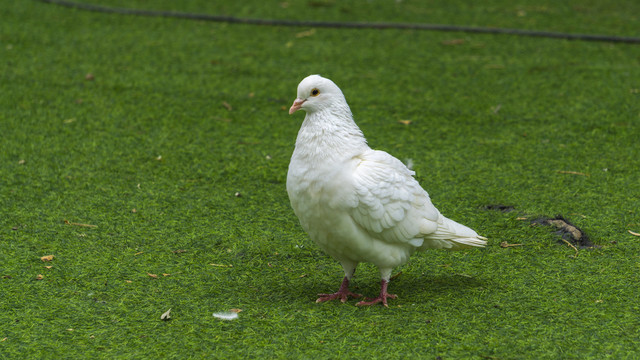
[227, 105]
[221, 265]
[153, 275]
[166, 315]
[572, 172]
[39, 277]
[571, 246]
[405, 122]
[305, 33]
[633, 233]
[453, 42]
[47, 257]
[505, 244]
[79, 224]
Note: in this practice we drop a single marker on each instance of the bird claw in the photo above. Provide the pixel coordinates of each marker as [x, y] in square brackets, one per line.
[380, 299]
[343, 295]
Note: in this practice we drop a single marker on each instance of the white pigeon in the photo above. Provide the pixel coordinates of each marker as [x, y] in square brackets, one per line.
[359, 204]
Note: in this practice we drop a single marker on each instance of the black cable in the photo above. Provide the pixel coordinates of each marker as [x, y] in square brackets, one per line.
[336, 24]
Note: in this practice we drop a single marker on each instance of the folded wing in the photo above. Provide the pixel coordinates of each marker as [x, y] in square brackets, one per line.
[392, 206]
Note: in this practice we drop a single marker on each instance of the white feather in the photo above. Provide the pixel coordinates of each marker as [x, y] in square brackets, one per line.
[226, 315]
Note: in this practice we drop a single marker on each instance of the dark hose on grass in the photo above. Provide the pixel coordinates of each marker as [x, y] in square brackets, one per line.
[347, 25]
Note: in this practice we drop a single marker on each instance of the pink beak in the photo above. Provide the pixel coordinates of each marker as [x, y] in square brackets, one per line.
[297, 104]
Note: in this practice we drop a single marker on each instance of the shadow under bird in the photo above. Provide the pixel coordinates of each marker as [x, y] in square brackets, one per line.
[356, 203]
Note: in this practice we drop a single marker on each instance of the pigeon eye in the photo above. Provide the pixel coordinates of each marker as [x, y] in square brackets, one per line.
[315, 92]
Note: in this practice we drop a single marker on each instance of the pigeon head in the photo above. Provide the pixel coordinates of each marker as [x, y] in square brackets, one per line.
[316, 93]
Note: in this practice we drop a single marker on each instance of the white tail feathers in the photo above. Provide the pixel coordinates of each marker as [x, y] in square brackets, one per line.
[478, 241]
[453, 236]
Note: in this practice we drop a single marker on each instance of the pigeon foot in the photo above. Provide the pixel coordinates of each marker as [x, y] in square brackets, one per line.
[382, 298]
[343, 293]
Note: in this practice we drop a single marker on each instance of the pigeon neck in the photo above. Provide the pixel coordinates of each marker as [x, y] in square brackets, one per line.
[330, 134]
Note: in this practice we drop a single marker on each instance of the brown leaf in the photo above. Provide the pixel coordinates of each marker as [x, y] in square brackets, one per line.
[221, 265]
[505, 244]
[47, 257]
[179, 251]
[572, 173]
[405, 122]
[89, 77]
[453, 42]
[305, 33]
[39, 277]
[227, 105]
[48, 267]
[571, 246]
[153, 275]
[235, 310]
[128, 281]
[166, 274]
[138, 253]
[79, 224]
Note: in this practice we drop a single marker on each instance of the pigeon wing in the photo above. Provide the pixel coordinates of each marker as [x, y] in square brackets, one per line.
[390, 204]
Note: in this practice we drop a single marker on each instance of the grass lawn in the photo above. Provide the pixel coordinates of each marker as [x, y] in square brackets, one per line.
[171, 139]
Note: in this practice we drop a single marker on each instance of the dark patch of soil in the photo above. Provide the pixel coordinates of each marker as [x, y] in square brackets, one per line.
[499, 207]
[566, 230]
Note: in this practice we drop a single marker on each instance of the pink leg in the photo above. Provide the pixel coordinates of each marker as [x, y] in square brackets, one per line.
[382, 297]
[343, 293]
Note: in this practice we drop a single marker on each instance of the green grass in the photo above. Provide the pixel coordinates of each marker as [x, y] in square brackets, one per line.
[493, 121]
